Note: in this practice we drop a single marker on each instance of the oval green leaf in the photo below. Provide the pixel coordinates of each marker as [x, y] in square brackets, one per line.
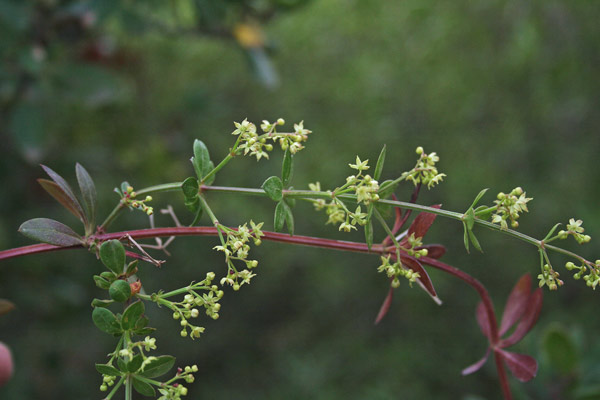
[190, 188]
[109, 370]
[273, 188]
[132, 314]
[143, 388]
[105, 320]
[119, 291]
[112, 255]
[286, 168]
[50, 231]
[158, 367]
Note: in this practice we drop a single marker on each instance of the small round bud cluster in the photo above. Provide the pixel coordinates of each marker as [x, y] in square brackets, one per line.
[414, 243]
[550, 278]
[107, 381]
[397, 270]
[172, 392]
[128, 198]
[425, 171]
[509, 207]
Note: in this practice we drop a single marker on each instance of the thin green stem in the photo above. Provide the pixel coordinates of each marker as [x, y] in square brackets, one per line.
[213, 218]
[311, 195]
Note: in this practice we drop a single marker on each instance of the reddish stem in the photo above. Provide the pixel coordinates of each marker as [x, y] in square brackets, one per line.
[301, 240]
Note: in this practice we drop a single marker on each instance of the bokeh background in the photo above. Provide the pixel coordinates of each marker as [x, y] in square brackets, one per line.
[506, 92]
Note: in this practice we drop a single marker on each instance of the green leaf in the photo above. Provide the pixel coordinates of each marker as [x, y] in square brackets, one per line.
[484, 212]
[158, 367]
[112, 255]
[289, 218]
[193, 205]
[135, 363]
[141, 322]
[211, 179]
[131, 315]
[101, 282]
[201, 159]
[143, 388]
[119, 291]
[379, 165]
[369, 234]
[286, 168]
[68, 192]
[50, 231]
[88, 194]
[279, 219]
[106, 321]
[560, 350]
[470, 218]
[132, 268]
[386, 189]
[474, 240]
[190, 188]
[109, 370]
[143, 331]
[478, 197]
[101, 303]
[549, 235]
[198, 212]
[273, 188]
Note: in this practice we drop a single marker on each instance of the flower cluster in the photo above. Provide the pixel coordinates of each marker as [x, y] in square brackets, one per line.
[337, 212]
[549, 277]
[591, 278]
[365, 186]
[187, 308]
[128, 198]
[509, 206]
[236, 248]
[424, 172]
[414, 243]
[574, 228]
[250, 142]
[395, 270]
[176, 390]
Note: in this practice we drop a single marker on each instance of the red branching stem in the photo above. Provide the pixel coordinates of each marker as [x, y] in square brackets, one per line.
[502, 376]
[300, 240]
[487, 303]
[199, 231]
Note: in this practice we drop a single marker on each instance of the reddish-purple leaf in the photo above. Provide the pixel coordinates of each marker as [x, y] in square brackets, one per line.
[434, 250]
[483, 320]
[422, 223]
[522, 366]
[67, 191]
[416, 266]
[59, 195]
[516, 303]
[530, 316]
[385, 307]
[477, 366]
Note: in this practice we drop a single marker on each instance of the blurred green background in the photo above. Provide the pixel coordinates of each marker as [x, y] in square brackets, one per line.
[506, 92]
